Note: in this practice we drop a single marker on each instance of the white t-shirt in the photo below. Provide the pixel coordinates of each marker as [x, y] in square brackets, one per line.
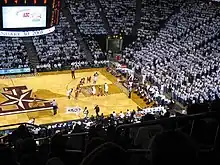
[54, 103]
[93, 90]
[121, 115]
[106, 87]
[69, 92]
[114, 114]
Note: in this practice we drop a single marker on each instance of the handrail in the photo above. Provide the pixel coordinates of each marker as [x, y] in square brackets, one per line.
[25, 124]
[74, 151]
[44, 138]
[178, 118]
[9, 125]
[65, 121]
[76, 134]
[139, 150]
[2, 137]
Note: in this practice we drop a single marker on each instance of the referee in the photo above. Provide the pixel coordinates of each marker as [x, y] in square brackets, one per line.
[73, 72]
[55, 107]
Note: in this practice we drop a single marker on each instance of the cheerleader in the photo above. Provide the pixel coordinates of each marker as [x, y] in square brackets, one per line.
[93, 90]
[106, 89]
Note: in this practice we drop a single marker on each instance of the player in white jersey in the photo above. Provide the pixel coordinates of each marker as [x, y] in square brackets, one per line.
[95, 78]
[93, 90]
[106, 89]
[69, 93]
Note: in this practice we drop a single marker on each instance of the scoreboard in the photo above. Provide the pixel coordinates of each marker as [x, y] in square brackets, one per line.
[29, 15]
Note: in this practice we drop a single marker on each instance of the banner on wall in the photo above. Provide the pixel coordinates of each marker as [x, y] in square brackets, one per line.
[26, 33]
[154, 110]
[14, 71]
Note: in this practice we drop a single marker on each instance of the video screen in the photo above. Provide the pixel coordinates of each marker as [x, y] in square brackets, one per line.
[24, 16]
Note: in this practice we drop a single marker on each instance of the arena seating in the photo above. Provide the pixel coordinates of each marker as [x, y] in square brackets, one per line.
[78, 139]
[94, 47]
[13, 53]
[178, 60]
[154, 14]
[120, 15]
[177, 48]
[59, 48]
[86, 15]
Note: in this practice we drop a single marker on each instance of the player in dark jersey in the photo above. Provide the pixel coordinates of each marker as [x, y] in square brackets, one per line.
[89, 79]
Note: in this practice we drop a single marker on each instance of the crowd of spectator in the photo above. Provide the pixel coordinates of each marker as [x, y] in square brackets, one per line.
[87, 17]
[178, 57]
[13, 53]
[183, 58]
[154, 14]
[81, 141]
[94, 47]
[59, 48]
[120, 15]
[151, 94]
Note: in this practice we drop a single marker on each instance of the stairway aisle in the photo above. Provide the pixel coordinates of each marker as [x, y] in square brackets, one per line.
[137, 17]
[31, 51]
[83, 45]
[103, 16]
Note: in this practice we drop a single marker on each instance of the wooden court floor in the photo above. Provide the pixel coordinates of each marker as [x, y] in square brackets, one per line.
[54, 85]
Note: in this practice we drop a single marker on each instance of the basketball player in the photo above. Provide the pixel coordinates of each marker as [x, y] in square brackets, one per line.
[93, 90]
[76, 93]
[106, 89]
[95, 78]
[100, 91]
[80, 87]
[69, 93]
[73, 72]
[83, 80]
[89, 79]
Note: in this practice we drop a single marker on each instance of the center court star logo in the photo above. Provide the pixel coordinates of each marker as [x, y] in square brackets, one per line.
[19, 98]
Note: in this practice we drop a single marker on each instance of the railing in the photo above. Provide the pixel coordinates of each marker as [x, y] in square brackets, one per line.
[175, 122]
[83, 135]
[40, 141]
[25, 124]
[172, 119]
[175, 125]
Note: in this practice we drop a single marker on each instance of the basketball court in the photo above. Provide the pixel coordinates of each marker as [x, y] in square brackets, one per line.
[54, 85]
